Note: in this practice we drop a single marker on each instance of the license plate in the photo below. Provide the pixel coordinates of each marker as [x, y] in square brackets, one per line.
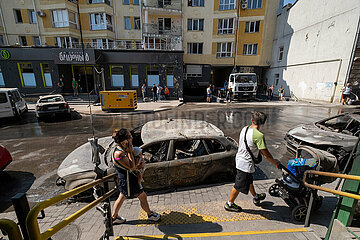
[245, 94]
[53, 108]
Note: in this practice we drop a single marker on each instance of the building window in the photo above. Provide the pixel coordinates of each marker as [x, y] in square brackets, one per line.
[224, 50]
[162, 3]
[102, 43]
[27, 75]
[137, 23]
[46, 75]
[281, 53]
[136, 2]
[170, 76]
[195, 24]
[100, 21]
[253, 4]
[2, 82]
[2, 40]
[194, 70]
[108, 2]
[36, 41]
[126, 2]
[138, 45]
[64, 18]
[277, 77]
[22, 41]
[227, 4]
[18, 17]
[196, 3]
[226, 26]
[32, 16]
[117, 76]
[127, 22]
[164, 25]
[134, 73]
[195, 48]
[250, 49]
[152, 75]
[67, 42]
[251, 27]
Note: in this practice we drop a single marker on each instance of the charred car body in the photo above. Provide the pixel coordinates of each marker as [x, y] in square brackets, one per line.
[336, 135]
[177, 152]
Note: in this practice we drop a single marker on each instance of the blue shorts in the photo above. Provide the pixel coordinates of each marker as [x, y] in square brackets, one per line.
[123, 187]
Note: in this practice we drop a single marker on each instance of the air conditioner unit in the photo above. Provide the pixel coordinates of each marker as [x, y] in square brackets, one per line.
[41, 13]
[244, 5]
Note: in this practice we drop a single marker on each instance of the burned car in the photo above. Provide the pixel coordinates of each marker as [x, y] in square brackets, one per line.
[177, 152]
[336, 135]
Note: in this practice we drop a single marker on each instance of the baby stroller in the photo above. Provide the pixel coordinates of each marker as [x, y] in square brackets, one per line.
[291, 187]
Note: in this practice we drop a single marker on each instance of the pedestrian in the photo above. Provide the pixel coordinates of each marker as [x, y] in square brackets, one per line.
[228, 95]
[159, 89]
[143, 91]
[166, 93]
[281, 92]
[75, 86]
[255, 142]
[128, 184]
[346, 92]
[270, 92]
[208, 94]
[154, 92]
[61, 85]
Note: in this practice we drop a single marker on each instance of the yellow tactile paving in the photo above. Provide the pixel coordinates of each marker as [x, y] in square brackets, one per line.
[199, 213]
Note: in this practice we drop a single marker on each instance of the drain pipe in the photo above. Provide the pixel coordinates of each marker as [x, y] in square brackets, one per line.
[37, 22]
[336, 81]
[3, 23]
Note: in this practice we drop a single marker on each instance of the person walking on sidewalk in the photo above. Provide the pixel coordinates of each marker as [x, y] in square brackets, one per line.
[245, 164]
[208, 94]
[154, 92]
[128, 184]
[143, 91]
[166, 93]
[281, 92]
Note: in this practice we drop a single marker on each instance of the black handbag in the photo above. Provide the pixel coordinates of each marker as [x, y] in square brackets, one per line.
[257, 159]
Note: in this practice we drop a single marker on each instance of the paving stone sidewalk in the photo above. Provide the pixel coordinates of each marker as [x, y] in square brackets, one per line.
[192, 210]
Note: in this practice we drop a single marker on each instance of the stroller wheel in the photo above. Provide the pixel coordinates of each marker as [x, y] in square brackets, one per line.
[299, 213]
[274, 190]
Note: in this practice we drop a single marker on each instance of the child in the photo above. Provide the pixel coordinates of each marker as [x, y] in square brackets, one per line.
[139, 163]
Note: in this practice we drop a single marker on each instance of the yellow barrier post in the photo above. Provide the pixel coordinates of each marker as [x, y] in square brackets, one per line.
[11, 228]
[31, 220]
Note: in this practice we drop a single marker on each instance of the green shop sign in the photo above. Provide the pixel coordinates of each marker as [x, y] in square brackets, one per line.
[5, 54]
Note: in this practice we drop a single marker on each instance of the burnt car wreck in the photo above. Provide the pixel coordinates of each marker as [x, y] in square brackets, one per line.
[177, 152]
[336, 135]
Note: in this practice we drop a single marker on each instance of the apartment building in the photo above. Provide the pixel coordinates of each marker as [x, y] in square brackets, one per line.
[200, 41]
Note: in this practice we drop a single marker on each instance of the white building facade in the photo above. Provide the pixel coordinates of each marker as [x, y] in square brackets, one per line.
[314, 48]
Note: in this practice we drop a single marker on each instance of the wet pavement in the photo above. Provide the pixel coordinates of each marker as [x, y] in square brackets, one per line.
[38, 148]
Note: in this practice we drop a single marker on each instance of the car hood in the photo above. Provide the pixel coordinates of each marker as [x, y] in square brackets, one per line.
[79, 160]
[312, 134]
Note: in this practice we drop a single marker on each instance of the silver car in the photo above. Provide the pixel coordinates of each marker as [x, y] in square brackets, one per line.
[51, 105]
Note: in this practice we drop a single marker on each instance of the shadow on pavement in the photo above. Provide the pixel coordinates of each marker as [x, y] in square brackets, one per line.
[13, 182]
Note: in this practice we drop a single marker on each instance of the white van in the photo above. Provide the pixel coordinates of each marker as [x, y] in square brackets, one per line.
[12, 104]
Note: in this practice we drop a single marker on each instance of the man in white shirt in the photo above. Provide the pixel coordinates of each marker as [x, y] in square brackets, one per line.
[245, 164]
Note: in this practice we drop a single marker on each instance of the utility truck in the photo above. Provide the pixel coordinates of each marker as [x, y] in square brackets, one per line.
[243, 85]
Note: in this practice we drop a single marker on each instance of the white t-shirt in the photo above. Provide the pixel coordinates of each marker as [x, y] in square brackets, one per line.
[256, 141]
[208, 90]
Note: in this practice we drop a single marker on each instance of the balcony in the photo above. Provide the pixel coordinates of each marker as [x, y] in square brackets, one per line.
[158, 30]
[173, 6]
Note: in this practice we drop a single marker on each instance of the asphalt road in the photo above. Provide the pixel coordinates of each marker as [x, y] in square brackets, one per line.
[38, 148]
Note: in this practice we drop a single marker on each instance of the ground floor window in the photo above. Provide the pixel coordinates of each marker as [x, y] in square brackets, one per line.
[117, 76]
[276, 78]
[134, 72]
[46, 75]
[170, 76]
[224, 50]
[2, 82]
[153, 75]
[27, 75]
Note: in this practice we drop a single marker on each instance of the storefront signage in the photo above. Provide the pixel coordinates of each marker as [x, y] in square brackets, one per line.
[5, 54]
[75, 57]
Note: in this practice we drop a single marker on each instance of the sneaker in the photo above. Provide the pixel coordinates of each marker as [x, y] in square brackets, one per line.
[118, 220]
[258, 198]
[232, 208]
[154, 216]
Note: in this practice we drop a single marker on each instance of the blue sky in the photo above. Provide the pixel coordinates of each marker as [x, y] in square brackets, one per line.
[288, 1]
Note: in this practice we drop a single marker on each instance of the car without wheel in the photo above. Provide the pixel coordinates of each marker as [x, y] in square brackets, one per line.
[51, 105]
[337, 135]
[177, 152]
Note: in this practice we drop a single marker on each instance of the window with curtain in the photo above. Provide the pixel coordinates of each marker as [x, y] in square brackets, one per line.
[117, 76]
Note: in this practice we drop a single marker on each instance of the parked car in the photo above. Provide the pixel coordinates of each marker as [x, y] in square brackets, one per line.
[51, 105]
[178, 153]
[12, 103]
[337, 135]
[5, 158]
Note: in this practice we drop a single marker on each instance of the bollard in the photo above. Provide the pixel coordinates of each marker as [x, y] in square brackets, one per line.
[22, 208]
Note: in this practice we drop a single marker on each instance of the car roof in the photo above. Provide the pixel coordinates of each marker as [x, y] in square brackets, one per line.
[7, 89]
[157, 130]
[51, 95]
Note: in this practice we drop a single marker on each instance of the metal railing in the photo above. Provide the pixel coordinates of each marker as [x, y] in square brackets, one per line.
[31, 220]
[156, 29]
[11, 229]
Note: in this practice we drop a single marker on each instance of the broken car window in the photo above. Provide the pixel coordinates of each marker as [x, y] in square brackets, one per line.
[214, 146]
[189, 148]
[156, 152]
